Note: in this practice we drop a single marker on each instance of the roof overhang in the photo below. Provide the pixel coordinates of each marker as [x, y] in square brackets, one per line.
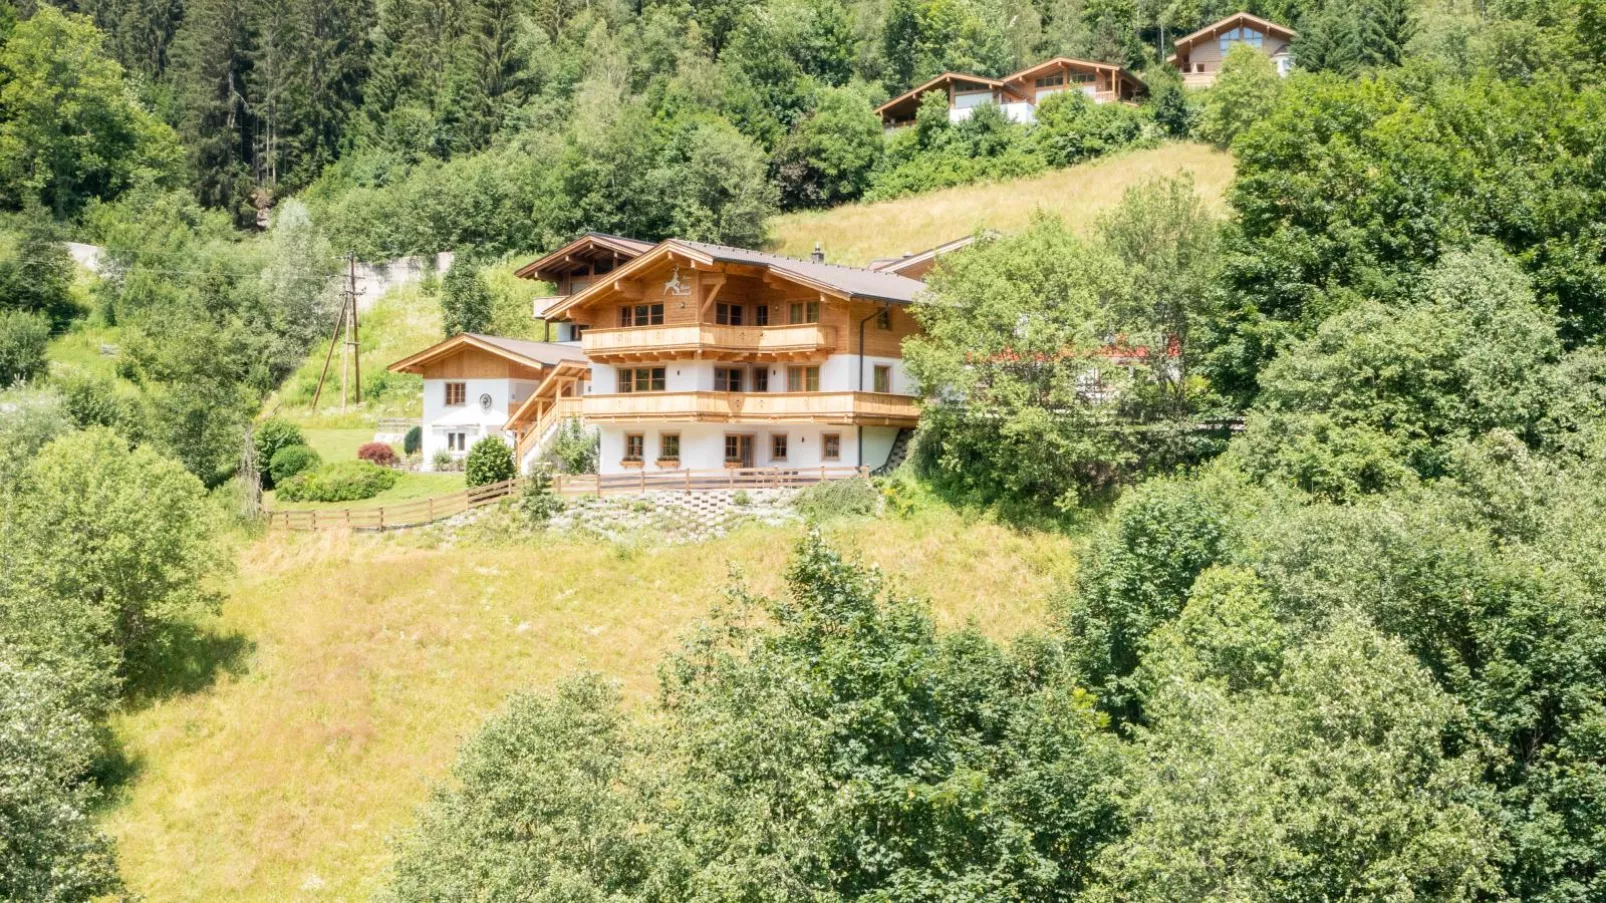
[415, 363]
[917, 92]
[572, 253]
[699, 260]
[560, 370]
[1071, 63]
[923, 259]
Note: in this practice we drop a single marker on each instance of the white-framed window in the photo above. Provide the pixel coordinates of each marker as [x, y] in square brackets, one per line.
[457, 441]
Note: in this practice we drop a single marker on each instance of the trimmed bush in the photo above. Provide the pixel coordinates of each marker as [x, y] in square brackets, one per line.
[344, 481]
[838, 498]
[290, 461]
[378, 453]
[413, 441]
[489, 461]
[271, 437]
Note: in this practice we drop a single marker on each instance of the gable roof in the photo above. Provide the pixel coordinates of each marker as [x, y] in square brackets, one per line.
[1186, 42]
[1072, 63]
[849, 283]
[916, 92]
[619, 245]
[519, 351]
[917, 265]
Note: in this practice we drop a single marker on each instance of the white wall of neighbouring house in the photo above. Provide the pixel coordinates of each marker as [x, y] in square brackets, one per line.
[472, 419]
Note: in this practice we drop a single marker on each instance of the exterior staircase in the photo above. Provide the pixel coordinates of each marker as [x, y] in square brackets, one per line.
[898, 454]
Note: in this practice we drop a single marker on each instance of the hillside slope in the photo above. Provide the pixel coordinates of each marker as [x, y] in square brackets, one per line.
[856, 233]
[360, 663]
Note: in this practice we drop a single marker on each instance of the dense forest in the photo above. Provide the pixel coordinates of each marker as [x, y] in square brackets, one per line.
[1339, 631]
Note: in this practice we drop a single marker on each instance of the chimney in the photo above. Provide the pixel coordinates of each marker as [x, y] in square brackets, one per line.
[818, 255]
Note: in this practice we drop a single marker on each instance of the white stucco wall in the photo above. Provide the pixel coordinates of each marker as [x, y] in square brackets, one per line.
[471, 419]
[702, 445]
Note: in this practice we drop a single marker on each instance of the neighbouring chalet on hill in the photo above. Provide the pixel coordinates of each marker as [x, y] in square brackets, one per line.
[691, 356]
[1017, 95]
[1198, 56]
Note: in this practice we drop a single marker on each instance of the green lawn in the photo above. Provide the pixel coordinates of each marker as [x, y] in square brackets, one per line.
[79, 349]
[412, 485]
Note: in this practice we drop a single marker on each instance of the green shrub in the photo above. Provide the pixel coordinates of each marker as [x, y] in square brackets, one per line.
[838, 498]
[97, 401]
[1072, 128]
[413, 441]
[270, 437]
[489, 461]
[291, 460]
[575, 448]
[23, 337]
[344, 481]
[538, 501]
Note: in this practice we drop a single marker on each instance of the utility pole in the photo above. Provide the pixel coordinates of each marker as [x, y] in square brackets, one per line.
[345, 324]
[356, 344]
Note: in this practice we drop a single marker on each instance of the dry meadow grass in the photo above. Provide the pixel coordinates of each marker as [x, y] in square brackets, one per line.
[856, 233]
[370, 659]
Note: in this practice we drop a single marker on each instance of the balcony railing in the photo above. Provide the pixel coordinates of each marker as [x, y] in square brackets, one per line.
[1198, 79]
[707, 340]
[862, 408]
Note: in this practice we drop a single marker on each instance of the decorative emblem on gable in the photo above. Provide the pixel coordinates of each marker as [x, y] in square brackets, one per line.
[675, 286]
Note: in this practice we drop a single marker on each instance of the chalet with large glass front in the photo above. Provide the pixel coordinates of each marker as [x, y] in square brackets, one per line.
[1198, 56]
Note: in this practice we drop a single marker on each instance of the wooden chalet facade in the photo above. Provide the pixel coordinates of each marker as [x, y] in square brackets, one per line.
[1019, 94]
[1198, 56]
[704, 356]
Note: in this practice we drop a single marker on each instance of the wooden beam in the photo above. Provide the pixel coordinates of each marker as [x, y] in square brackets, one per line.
[711, 289]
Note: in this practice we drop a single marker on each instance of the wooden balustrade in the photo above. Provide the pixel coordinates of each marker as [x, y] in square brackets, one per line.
[555, 411]
[708, 340]
[873, 408]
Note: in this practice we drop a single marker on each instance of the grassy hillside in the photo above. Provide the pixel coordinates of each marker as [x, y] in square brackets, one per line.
[856, 233]
[363, 662]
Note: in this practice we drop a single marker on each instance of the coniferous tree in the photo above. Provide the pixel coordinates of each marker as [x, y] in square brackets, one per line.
[212, 65]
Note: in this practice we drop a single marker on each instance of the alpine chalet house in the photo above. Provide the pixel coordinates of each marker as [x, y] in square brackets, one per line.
[473, 383]
[1016, 95]
[1198, 56]
[705, 357]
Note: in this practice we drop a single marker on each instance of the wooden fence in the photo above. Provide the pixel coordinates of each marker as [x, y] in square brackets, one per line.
[425, 511]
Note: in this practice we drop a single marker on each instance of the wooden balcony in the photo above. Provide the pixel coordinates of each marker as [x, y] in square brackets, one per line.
[1198, 79]
[708, 341]
[856, 408]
